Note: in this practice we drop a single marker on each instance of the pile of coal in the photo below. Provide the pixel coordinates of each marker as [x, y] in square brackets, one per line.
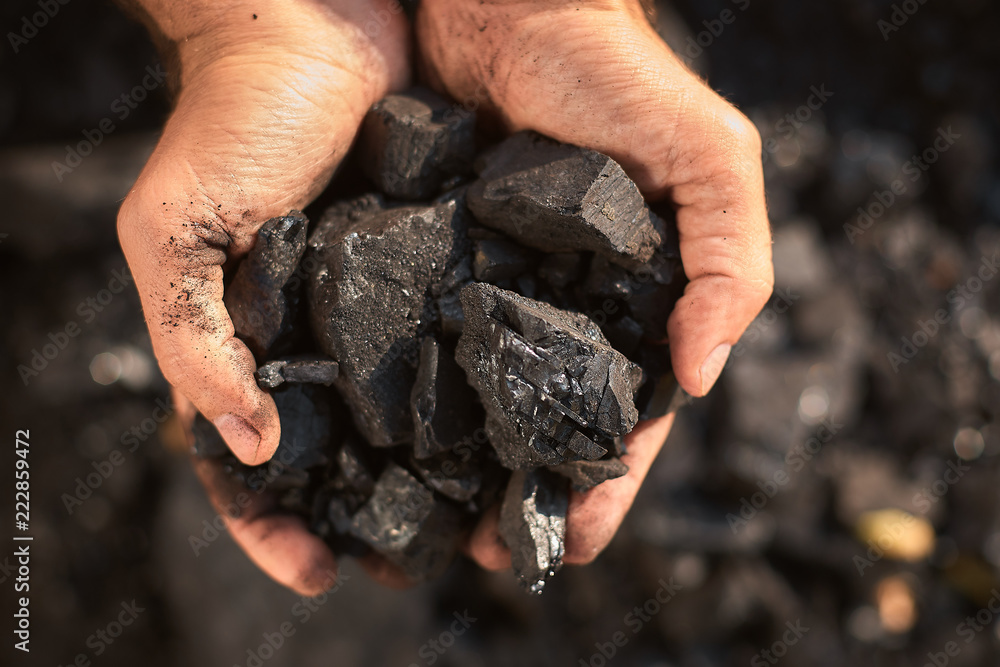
[484, 329]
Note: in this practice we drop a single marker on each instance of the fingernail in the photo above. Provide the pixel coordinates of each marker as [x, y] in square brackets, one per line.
[713, 365]
[242, 438]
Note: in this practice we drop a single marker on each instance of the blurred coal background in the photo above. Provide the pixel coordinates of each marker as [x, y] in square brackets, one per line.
[834, 501]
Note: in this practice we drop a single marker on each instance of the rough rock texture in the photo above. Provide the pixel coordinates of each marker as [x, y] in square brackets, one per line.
[533, 525]
[552, 386]
[371, 302]
[412, 142]
[404, 522]
[560, 198]
[302, 369]
[256, 298]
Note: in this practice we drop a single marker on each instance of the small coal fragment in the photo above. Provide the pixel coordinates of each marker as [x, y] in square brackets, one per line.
[450, 474]
[303, 370]
[256, 299]
[270, 374]
[443, 408]
[585, 475]
[311, 371]
[412, 142]
[533, 525]
[551, 384]
[371, 302]
[499, 260]
[208, 444]
[404, 522]
[559, 198]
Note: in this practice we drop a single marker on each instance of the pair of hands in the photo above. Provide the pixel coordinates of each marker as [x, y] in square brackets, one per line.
[270, 96]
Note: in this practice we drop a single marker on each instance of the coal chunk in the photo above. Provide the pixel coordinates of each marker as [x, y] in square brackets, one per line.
[257, 299]
[311, 370]
[404, 522]
[533, 525]
[585, 475]
[412, 142]
[552, 386]
[558, 198]
[372, 302]
[444, 410]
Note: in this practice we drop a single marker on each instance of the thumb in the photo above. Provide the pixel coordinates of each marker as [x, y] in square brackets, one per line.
[222, 167]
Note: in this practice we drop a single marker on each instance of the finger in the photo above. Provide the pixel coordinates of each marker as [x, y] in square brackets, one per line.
[279, 544]
[383, 572]
[593, 517]
[485, 546]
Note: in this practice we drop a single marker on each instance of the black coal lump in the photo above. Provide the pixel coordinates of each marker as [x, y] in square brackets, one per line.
[304, 369]
[256, 299]
[413, 141]
[552, 386]
[404, 522]
[443, 407]
[585, 475]
[372, 302]
[533, 525]
[561, 198]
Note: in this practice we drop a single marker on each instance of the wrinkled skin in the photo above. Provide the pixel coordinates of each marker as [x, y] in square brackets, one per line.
[268, 107]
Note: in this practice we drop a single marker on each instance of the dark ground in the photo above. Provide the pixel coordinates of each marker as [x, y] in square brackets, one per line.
[810, 408]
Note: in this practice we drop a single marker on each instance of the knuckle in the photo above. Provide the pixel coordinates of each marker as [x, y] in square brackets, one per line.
[743, 133]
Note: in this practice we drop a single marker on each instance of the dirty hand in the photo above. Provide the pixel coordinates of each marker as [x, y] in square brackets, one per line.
[270, 96]
[594, 73]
